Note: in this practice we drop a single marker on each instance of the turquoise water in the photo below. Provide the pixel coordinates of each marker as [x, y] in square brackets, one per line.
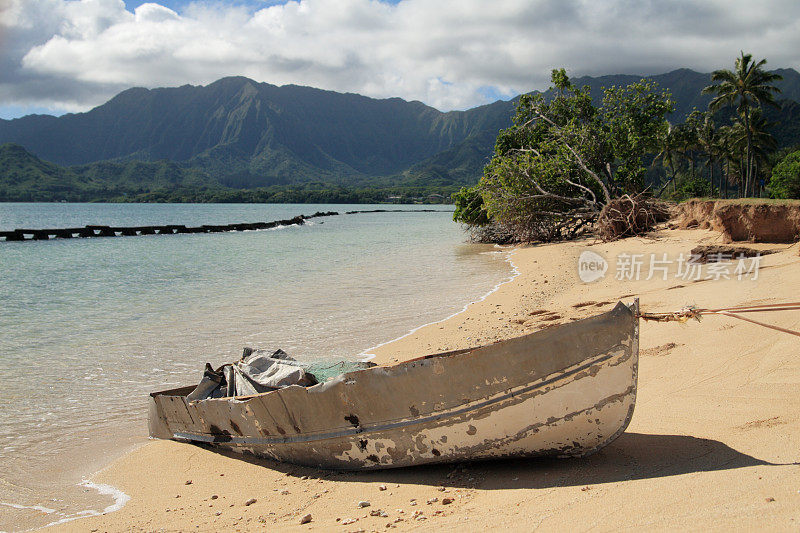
[88, 327]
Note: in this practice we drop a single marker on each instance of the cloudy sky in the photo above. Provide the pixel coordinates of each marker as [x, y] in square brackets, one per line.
[71, 55]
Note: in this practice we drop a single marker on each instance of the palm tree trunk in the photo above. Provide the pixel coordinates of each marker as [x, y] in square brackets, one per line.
[674, 174]
[672, 180]
[749, 148]
[740, 184]
[711, 173]
[756, 183]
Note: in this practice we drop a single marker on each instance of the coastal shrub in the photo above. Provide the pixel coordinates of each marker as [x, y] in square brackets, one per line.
[492, 233]
[690, 186]
[471, 211]
[469, 207]
[785, 181]
[564, 158]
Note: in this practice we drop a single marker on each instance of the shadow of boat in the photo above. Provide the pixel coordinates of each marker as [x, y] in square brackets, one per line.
[632, 456]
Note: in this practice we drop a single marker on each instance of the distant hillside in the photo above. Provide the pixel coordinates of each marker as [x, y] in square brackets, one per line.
[25, 177]
[241, 134]
[254, 134]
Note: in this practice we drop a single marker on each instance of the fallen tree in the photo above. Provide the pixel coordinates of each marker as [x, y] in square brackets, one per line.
[554, 171]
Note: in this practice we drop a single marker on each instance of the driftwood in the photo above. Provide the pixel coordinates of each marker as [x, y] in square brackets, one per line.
[725, 252]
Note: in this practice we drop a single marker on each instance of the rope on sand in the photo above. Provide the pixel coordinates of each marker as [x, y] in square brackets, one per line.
[690, 312]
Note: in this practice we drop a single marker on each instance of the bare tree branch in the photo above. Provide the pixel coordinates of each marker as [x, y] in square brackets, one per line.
[587, 189]
[547, 194]
[575, 154]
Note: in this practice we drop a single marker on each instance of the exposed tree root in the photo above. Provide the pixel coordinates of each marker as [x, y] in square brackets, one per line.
[630, 215]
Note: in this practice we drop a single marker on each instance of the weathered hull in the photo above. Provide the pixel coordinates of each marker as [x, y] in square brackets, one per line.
[563, 391]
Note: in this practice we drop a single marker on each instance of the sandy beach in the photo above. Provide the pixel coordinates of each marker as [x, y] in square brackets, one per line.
[714, 442]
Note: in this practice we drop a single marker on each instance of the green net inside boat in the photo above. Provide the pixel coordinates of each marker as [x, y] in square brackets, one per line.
[325, 370]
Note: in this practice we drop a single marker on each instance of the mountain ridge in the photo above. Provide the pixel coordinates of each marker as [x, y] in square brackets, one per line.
[244, 134]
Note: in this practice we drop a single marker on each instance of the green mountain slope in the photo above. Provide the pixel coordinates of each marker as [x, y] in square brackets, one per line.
[250, 133]
[25, 177]
[241, 134]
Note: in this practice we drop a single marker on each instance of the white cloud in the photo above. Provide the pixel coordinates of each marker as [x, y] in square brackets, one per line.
[75, 54]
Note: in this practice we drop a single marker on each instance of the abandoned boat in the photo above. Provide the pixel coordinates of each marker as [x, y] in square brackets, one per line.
[565, 391]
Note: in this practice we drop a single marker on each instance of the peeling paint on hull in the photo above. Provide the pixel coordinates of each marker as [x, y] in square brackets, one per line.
[564, 391]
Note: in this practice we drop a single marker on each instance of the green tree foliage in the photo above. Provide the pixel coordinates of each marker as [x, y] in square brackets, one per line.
[731, 148]
[785, 182]
[563, 159]
[634, 117]
[690, 186]
[708, 142]
[739, 152]
[669, 145]
[746, 87]
[469, 207]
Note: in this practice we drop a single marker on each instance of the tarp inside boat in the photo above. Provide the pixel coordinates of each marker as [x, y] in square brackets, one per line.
[261, 371]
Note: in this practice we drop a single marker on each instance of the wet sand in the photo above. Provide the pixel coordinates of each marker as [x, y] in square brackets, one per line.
[714, 442]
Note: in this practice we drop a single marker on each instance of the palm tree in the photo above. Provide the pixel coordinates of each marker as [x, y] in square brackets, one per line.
[669, 143]
[763, 143]
[689, 142]
[708, 140]
[730, 150]
[747, 86]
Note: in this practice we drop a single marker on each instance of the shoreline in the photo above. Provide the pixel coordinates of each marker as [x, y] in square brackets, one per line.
[719, 429]
[367, 354]
[121, 498]
[77, 496]
[335, 272]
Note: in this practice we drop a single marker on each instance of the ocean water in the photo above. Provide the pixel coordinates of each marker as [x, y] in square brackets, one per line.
[88, 327]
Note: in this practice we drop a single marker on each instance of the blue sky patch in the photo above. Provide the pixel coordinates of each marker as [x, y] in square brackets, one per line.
[179, 5]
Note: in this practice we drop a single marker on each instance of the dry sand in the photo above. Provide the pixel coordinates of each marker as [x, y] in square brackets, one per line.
[714, 442]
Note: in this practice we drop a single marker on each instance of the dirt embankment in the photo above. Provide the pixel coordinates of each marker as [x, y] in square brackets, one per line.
[754, 221]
